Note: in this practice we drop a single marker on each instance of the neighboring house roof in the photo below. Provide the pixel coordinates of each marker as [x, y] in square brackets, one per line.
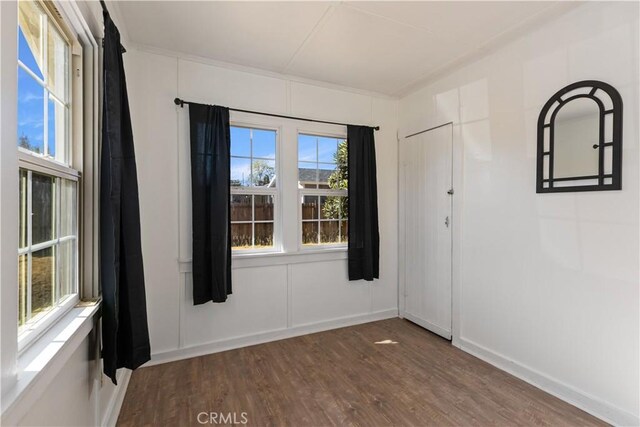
[309, 175]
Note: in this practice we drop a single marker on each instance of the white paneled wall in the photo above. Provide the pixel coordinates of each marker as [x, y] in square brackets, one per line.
[153, 116]
[273, 297]
[546, 285]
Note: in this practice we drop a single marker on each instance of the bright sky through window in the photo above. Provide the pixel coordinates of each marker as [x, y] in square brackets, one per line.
[31, 102]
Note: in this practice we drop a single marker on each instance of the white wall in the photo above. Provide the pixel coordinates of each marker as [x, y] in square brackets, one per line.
[546, 285]
[275, 296]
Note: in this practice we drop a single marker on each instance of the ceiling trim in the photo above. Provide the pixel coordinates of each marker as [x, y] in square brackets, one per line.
[257, 71]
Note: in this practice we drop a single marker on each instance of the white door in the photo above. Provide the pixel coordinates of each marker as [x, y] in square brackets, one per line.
[425, 229]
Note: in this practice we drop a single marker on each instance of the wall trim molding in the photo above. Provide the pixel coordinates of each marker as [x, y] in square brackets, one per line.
[269, 259]
[588, 403]
[112, 411]
[269, 336]
[141, 47]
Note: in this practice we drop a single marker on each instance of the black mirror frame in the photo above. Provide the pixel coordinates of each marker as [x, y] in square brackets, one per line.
[615, 143]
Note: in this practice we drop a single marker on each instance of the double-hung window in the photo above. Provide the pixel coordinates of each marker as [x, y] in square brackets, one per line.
[48, 181]
[253, 189]
[322, 186]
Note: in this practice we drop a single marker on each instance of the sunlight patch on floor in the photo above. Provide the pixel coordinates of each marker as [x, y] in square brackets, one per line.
[386, 342]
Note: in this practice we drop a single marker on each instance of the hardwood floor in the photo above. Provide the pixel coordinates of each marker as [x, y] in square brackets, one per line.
[342, 377]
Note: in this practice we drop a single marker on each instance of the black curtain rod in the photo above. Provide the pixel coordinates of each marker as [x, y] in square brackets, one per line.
[181, 102]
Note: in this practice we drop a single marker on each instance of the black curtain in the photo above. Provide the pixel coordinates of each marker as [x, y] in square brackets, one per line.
[364, 238]
[210, 198]
[125, 335]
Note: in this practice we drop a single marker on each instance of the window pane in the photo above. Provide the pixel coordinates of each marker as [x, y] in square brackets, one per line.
[241, 236]
[264, 143]
[22, 238]
[42, 280]
[30, 36]
[339, 178]
[240, 142]
[68, 208]
[58, 58]
[307, 175]
[344, 231]
[22, 289]
[327, 148]
[240, 172]
[310, 207]
[310, 233]
[42, 207]
[325, 172]
[30, 113]
[331, 206]
[56, 135]
[263, 209]
[66, 263]
[329, 232]
[264, 172]
[240, 207]
[264, 234]
[307, 148]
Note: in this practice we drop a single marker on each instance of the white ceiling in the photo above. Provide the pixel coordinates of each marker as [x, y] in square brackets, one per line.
[386, 47]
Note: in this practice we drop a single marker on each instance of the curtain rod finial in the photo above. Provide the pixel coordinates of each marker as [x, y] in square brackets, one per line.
[179, 102]
[376, 128]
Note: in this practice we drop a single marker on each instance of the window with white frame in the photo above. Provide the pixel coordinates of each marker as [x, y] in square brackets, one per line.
[253, 188]
[48, 181]
[323, 179]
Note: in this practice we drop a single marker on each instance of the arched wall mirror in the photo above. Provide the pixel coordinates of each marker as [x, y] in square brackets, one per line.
[580, 139]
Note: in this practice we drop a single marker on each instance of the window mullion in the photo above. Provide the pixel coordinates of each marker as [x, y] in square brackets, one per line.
[318, 169]
[32, 74]
[339, 222]
[56, 247]
[45, 74]
[29, 240]
[253, 221]
[318, 217]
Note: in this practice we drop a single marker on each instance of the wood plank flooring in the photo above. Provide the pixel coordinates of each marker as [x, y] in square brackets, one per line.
[342, 377]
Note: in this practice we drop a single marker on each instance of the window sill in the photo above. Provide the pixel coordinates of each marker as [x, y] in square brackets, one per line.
[266, 259]
[43, 359]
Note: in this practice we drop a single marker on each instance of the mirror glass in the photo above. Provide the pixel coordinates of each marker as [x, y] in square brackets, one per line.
[576, 132]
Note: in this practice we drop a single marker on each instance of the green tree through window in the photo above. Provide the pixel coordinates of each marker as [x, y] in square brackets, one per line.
[338, 180]
[262, 173]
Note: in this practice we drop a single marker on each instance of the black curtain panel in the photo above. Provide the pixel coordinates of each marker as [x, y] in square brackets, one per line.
[125, 335]
[364, 238]
[210, 180]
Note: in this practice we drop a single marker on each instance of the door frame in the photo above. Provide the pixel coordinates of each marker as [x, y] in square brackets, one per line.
[456, 226]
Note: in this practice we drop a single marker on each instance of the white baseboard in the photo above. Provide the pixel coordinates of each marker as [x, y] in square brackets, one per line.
[584, 401]
[112, 411]
[263, 337]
